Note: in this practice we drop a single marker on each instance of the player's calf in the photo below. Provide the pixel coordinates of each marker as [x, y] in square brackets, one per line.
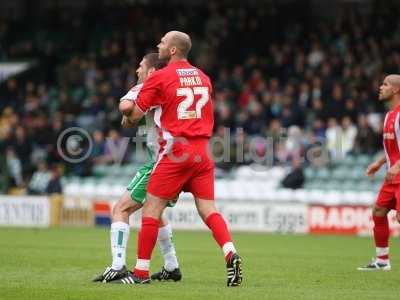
[124, 208]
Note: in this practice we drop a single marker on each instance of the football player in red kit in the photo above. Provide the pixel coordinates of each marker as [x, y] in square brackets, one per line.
[181, 96]
[389, 194]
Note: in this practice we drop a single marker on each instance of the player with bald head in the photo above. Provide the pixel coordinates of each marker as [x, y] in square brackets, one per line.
[180, 93]
[389, 194]
[174, 45]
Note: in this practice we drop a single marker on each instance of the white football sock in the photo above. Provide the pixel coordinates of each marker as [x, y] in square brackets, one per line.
[382, 252]
[228, 248]
[167, 247]
[119, 239]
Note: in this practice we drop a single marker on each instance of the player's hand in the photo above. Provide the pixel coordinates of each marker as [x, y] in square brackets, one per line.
[373, 168]
[126, 123]
[392, 173]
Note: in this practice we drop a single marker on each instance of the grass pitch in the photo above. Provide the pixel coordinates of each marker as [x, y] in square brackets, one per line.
[59, 264]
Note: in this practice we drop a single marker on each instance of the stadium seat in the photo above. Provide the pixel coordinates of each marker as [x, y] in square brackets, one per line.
[363, 160]
[366, 198]
[322, 174]
[221, 190]
[349, 197]
[333, 198]
[380, 175]
[301, 196]
[100, 170]
[309, 173]
[284, 195]
[348, 161]
[333, 185]
[72, 189]
[340, 173]
[317, 196]
[358, 172]
[117, 190]
[88, 189]
[349, 185]
[102, 190]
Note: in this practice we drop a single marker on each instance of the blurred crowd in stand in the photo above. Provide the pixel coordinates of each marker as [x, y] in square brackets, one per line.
[281, 85]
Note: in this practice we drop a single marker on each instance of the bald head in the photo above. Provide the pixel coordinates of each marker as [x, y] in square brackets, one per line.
[393, 80]
[390, 88]
[181, 41]
[174, 45]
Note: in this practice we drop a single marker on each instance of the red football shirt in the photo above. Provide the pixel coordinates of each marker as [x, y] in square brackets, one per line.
[391, 138]
[181, 94]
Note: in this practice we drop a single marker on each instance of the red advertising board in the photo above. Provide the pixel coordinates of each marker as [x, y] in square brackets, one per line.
[345, 219]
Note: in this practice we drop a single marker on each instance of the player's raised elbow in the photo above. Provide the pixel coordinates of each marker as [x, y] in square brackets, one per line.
[126, 107]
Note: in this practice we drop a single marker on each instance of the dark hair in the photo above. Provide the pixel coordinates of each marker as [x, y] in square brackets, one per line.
[152, 61]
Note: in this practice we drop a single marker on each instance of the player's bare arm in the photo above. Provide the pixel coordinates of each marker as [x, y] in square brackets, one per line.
[131, 113]
[134, 116]
[375, 166]
[125, 107]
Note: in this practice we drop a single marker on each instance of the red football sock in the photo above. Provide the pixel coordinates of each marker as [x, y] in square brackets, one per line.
[147, 239]
[220, 233]
[381, 231]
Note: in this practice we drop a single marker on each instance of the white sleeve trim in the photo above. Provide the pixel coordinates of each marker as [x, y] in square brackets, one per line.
[133, 93]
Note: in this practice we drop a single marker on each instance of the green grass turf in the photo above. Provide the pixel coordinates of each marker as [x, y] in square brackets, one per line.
[59, 264]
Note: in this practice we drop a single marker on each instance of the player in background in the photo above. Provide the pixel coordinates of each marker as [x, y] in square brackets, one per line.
[181, 95]
[389, 194]
[133, 199]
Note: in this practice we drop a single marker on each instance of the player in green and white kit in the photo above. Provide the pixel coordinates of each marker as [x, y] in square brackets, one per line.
[135, 196]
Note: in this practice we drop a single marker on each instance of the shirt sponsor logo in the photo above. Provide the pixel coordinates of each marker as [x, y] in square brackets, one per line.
[187, 72]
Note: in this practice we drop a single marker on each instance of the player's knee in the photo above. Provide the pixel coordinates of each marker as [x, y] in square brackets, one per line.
[154, 206]
[122, 206]
[117, 209]
[379, 211]
[205, 208]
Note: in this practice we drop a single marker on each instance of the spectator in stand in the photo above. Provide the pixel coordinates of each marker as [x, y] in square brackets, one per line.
[295, 178]
[3, 167]
[348, 135]
[297, 79]
[54, 186]
[99, 146]
[333, 139]
[115, 148]
[11, 95]
[14, 167]
[367, 141]
[40, 180]
[294, 145]
[23, 148]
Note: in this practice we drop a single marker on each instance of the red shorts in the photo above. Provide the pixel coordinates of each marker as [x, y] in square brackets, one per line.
[187, 167]
[389, 196]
